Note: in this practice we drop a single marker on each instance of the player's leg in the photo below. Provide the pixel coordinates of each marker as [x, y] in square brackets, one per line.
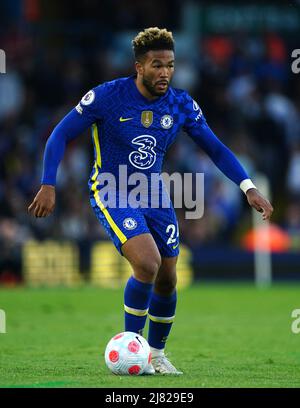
[162, 313]
[142, 253]
[163, 305]
[163, 226]
[129, 232]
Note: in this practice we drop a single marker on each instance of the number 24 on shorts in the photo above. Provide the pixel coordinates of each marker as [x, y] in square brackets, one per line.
[173, 233]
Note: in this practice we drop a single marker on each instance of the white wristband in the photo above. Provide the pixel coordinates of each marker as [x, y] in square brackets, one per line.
[246, 185]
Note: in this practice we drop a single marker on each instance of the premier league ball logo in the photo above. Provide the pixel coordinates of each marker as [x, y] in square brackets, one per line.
[88, 98]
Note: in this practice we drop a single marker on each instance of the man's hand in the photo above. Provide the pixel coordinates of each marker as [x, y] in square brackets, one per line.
[261, 204]
[44, 202]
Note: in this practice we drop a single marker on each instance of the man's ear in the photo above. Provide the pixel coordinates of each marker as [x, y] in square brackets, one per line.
[139, 68]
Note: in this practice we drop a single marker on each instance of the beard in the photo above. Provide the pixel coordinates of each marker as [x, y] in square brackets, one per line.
[151, 88]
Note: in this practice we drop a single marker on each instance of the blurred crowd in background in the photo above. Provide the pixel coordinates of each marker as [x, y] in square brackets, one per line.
[242, 81]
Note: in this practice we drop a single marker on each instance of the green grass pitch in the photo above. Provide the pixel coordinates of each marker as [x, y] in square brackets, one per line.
[223, 336]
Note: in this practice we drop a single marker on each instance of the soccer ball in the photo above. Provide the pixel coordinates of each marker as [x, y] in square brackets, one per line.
[127, 353]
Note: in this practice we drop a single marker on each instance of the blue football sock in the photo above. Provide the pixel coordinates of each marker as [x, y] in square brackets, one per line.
[161, 315]
[137, 297]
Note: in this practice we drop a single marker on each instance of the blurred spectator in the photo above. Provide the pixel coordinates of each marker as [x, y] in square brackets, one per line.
[12, 236]
[292, 223]
[11, 95]
[293, 174]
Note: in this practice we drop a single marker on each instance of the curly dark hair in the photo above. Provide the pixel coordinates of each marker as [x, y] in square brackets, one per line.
[152, 38]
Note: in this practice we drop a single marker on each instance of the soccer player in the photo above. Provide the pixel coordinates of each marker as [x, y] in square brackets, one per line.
[134, 120]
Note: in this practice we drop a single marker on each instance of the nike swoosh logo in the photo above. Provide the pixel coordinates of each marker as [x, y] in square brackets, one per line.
[175, 246]
[124, 119]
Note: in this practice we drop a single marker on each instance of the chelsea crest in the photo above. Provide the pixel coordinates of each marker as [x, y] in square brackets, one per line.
[166, 121]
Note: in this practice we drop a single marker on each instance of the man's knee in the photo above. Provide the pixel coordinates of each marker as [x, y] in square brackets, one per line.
[142, 253]
[146, 269]
[166, 285]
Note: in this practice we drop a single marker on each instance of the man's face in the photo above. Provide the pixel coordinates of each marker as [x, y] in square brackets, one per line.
[156, 71]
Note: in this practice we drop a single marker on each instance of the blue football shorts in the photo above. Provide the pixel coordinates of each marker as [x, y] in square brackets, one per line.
[122, 224]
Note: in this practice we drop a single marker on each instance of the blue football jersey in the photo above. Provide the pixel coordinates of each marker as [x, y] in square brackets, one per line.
[133, 133]
[130, 130]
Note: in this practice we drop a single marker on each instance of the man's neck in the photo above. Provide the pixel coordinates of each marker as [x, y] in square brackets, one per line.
[143, 90]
